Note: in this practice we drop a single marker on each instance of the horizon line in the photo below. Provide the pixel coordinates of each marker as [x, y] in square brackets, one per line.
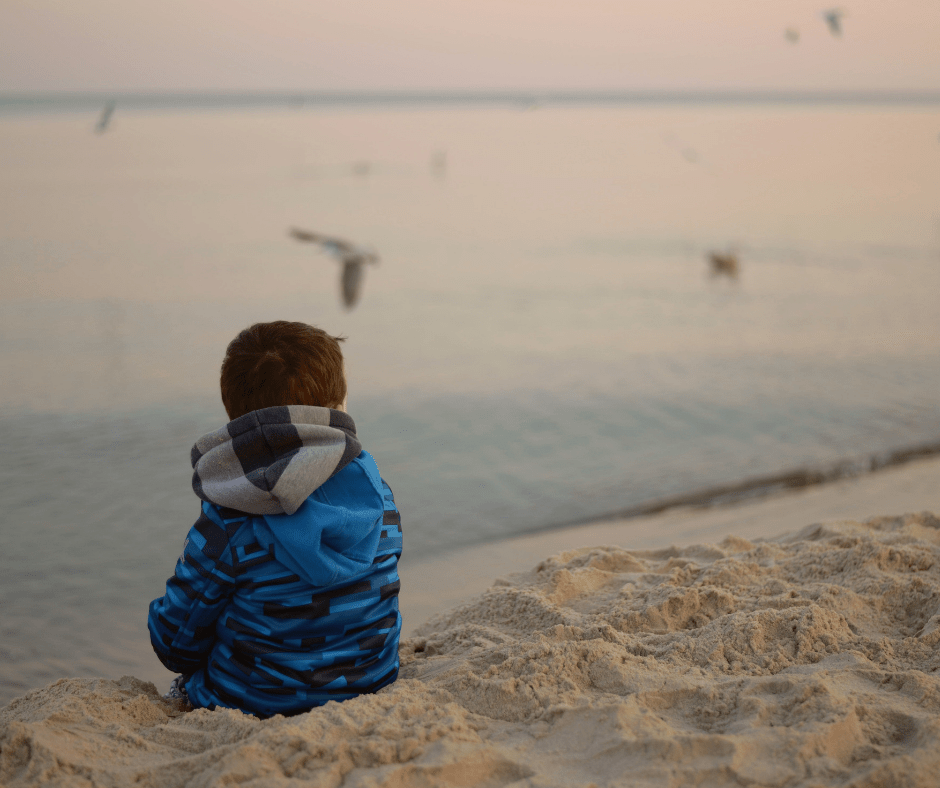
[220, 99]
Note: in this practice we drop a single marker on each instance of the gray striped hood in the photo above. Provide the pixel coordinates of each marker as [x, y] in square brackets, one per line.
[268, 461]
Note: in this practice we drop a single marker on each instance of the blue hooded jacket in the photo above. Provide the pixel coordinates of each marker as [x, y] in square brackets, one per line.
[286, 594]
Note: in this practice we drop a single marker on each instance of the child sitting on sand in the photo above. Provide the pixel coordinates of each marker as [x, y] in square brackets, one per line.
[286, 594]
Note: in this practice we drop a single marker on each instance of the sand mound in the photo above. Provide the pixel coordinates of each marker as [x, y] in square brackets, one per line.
[806, 661]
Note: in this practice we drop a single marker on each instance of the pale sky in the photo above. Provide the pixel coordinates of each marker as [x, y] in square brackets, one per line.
[465, 44]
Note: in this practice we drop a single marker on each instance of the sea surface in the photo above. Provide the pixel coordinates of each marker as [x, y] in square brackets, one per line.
[541, 343]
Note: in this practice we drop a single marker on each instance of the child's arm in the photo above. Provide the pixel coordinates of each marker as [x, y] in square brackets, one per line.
[182, 622]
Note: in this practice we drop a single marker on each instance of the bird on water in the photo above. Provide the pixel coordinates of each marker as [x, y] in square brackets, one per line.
[724, 264]
[353, 257]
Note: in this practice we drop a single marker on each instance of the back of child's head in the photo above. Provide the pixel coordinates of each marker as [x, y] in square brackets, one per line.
[282, 363]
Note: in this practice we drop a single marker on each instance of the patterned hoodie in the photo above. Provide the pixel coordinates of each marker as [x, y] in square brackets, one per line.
[286, 594]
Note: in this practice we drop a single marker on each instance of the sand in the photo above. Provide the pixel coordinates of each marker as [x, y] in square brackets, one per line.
[808, 659]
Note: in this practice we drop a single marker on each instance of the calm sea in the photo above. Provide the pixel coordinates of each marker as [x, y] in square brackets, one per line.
[540, 344]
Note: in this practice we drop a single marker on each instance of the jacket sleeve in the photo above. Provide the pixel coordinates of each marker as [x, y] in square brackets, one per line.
[182, 621]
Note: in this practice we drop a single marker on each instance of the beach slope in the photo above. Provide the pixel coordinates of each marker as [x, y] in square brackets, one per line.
[806, 660]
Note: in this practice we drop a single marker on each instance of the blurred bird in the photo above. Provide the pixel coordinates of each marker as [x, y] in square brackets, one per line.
[833, 18]
[351, 256]
[724, 264]
[792, 35]
[105, 118]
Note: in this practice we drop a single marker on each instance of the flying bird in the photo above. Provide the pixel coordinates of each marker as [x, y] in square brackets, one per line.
[724, 264]
[792, 35]
[353, 258]
[833, 18]
[105, 118]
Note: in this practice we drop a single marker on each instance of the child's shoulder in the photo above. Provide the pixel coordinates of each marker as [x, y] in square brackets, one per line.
[220, 526]
[359, 479]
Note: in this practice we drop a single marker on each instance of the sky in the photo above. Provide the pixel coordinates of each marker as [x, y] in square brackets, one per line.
[127, 45]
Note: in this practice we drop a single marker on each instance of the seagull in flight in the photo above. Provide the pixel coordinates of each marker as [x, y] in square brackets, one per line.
[833, 18]
[353, 258]
[105, 118]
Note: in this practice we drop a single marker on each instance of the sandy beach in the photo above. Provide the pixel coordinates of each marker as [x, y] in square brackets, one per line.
[786, 641]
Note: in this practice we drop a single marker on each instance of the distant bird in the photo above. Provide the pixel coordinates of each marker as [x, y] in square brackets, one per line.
[351, 256]
[792, 35]
[724, 264]
[833, 18]
[105, 118]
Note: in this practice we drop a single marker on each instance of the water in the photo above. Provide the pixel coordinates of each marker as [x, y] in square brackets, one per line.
[540, 344]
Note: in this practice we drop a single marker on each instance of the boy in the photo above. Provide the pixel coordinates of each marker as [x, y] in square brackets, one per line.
[286, 595]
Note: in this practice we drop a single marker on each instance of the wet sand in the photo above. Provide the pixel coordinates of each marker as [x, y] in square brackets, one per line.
[432, 586]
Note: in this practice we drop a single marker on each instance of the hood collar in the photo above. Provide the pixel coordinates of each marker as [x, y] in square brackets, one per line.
[268, 461]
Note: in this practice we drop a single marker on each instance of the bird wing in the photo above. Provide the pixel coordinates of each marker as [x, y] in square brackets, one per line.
[335, 246]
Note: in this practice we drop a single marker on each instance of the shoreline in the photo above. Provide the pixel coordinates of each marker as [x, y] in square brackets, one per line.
[431, 585]
[773, 484]
[721, 494]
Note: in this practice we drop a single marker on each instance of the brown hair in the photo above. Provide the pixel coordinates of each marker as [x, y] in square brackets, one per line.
[282, 363]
